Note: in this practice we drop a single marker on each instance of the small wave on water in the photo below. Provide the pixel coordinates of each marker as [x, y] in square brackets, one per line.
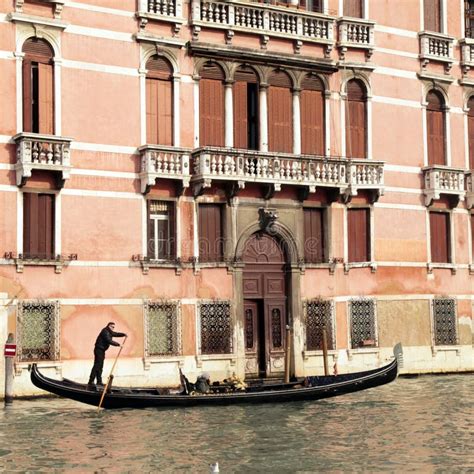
[418, 425]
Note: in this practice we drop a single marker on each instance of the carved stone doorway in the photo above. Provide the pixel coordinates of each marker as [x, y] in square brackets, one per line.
[265, 290]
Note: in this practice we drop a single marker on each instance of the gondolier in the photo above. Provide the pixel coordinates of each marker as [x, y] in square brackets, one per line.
[103, 342]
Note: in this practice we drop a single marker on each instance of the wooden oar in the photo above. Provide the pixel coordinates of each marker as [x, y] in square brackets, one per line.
[109, 380]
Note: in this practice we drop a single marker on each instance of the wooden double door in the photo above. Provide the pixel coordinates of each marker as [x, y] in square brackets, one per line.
[265, 302]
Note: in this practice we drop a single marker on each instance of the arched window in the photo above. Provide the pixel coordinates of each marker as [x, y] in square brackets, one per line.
[159, 101]
[312, 116]
[470, 131]
[353, 8]
[211, 106]
[38, 87]
[356, 120]
[435, 128]
[245, 109]
[280, 113]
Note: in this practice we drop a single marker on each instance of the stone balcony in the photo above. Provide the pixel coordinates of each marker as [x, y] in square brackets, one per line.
[265, 20]
[469, 176]
[436, 47]
[57, 6]
[467, 54]
[240, 167]
[163, 162]
[355, 33]
[443, 180]
[169, 11]
[41, 152]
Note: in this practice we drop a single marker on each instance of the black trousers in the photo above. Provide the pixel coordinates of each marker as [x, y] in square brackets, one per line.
[96, 372]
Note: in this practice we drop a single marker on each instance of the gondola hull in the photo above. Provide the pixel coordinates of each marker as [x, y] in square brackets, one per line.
[121, 397]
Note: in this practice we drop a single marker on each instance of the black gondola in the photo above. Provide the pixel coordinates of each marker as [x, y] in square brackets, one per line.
[309, 388]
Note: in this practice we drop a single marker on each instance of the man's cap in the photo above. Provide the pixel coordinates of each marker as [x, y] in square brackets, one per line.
[111, 322]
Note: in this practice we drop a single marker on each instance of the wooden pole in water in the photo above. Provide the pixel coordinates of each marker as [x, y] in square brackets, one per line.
[9, 369]
[109, 380]
[325, 352]
[288, 354]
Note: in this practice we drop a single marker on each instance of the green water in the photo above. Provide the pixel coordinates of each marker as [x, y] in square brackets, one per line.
[424, 424]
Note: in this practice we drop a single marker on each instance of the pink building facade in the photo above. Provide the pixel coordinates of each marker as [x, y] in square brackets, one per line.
[224, 179]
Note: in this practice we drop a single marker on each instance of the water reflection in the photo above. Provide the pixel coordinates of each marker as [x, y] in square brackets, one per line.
[422, 424]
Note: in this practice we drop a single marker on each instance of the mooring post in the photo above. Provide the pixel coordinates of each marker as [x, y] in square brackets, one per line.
[10, 352]
[325, 351]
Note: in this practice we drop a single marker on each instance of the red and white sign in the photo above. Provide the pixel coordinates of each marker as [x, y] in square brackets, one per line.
[10, 350]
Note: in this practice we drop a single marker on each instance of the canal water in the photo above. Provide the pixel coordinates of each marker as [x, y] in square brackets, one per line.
[423, 424]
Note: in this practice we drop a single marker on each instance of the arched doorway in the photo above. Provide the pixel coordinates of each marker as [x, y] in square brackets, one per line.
[265, 289]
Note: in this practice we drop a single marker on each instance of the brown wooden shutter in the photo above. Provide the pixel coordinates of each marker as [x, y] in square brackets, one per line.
[435, 129]
[27, 96]
[317, 6]
[172, 230]
[45, 98]
[38, 225]
[211, 112]
[152, 110]
[353, 8]
[432, 15]
[439, 236]
[470, 120]
[312, 116]
[210, 233]
[280, 113]
[314, 248]
[472, 233]
[240, 115]
[356, 120]
[358, 234]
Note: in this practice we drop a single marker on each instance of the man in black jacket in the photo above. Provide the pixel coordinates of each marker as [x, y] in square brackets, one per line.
[102, 343]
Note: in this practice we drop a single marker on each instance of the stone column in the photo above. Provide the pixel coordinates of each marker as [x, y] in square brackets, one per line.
[263, 117]
[296, 122]
[229, 114]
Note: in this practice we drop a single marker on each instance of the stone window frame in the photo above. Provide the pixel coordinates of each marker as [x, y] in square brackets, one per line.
[369, 348]
[444, 347]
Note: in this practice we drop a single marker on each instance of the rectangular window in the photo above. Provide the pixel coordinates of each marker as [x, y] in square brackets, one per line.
[38, 225]
[163, 329]
[363, 328]
[211, 237]
[38, 330]
[280, 119]
[159, 111]
[440, 237]
[469, 18]
[161, 230]
[444, 321]
[245, 115]
[211, 111]
[314, 238]
[432, 15]
[353, 8]
[358, 234]
[319, 319]
[216, 328]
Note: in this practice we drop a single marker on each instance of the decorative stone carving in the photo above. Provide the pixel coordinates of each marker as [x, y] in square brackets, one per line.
[267, 218]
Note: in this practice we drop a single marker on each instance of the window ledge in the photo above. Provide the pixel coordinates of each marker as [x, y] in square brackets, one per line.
[319, 353]
[36, 20]
[215, 357]
[148, 361]
[59, 262]
[441, 266]
[371, 265]
[47, 364]
[362, 350]
[453, 348]
[146, 264]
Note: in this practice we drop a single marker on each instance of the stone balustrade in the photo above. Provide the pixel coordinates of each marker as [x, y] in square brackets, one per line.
[163, 10]
[467, 54]
[164, 163]
[443, 180]
[265, 19]
[469, 177]
[356, 33]
[436, 47]
[246, 166]
[41, 152]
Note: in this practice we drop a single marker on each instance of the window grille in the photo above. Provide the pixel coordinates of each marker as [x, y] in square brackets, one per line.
[319, 315]
[444, 321]
[162, 328]
[38, 330]
[216, 328]
[363, 324]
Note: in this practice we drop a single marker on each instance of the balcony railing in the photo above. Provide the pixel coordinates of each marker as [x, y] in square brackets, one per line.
[41, 152]
[57, 4]
[264, 19]
[469, 176]
[443, 180]
[357, 34]
[246, 166]
[467, 54]
[436, 47]
[164, 10]
[161, 162]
